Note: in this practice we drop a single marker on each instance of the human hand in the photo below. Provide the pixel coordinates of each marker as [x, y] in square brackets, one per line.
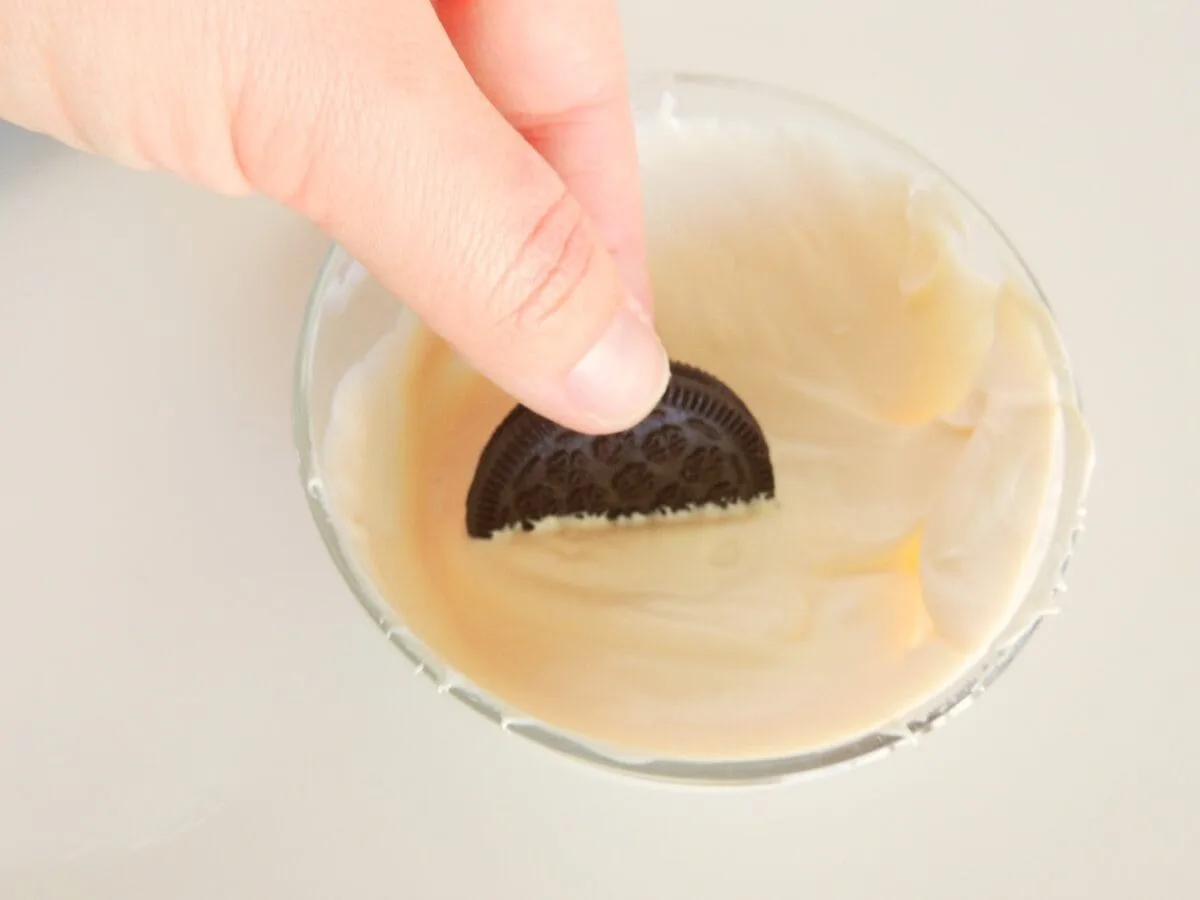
[477, 156]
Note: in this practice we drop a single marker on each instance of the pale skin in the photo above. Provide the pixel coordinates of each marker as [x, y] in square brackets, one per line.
[477, 155]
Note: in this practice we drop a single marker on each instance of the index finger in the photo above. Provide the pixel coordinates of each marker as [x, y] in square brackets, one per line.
[555, 69]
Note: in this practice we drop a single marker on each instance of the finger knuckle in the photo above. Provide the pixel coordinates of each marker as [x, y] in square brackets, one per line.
[543, 278]
[290, 121]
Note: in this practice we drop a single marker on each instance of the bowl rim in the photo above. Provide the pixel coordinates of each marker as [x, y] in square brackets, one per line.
[954, 697]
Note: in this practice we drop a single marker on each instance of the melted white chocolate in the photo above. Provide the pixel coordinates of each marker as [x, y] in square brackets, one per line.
[915, 428]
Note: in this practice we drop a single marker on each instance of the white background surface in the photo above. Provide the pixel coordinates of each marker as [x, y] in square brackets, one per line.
[192, 706]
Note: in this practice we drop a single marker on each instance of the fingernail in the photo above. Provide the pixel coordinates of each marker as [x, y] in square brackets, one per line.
[624, 374]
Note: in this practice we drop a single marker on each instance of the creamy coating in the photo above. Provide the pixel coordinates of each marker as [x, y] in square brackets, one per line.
[915, 427]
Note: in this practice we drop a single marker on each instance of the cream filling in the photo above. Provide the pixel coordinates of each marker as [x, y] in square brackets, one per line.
[910, 404]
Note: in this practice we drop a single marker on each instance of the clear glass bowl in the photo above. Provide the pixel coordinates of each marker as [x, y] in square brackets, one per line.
[348, 313]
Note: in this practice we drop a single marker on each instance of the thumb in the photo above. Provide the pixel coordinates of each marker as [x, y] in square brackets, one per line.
[419, 176]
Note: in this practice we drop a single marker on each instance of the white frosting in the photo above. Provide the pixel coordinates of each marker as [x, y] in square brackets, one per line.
[902, 377]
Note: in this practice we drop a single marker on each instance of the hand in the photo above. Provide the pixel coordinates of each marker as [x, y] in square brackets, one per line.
[476, 155]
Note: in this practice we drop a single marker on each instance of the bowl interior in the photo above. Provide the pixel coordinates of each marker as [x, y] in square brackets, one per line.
[349, 312]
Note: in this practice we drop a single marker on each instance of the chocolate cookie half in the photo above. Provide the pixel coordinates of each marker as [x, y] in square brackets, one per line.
[699, 446]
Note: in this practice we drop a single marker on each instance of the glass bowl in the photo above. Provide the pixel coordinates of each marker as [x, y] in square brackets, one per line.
[348, 313]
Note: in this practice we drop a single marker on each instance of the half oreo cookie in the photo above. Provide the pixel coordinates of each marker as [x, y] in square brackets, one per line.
[699, 446]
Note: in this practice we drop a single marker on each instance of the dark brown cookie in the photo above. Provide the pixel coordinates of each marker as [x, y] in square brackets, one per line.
[700, 445]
